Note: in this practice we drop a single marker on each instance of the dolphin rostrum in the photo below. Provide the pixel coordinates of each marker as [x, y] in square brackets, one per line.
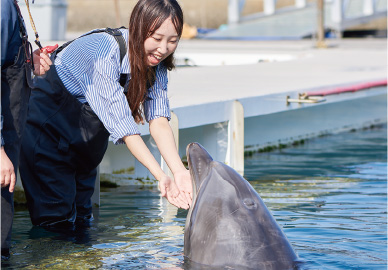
[228, 224]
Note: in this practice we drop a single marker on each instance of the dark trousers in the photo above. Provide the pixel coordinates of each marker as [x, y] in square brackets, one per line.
[7, 208]
[15, 93]
[63, 143]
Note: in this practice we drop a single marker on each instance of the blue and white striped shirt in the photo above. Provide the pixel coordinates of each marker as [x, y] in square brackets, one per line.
[90, 70]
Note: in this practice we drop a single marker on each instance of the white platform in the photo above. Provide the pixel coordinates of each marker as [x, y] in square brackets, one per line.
[214, 104]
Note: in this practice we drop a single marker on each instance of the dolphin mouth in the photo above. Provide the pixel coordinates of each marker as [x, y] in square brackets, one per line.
[199, 160]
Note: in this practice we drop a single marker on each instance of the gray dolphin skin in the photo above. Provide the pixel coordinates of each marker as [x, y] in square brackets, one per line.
[229, 226]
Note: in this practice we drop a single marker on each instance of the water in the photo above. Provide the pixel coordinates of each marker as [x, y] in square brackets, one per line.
[329, 195]
[334, 210]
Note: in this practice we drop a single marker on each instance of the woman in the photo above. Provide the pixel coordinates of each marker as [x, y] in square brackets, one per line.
[81, 102]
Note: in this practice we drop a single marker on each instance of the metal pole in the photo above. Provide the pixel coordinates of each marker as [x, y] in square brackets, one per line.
[321, 25]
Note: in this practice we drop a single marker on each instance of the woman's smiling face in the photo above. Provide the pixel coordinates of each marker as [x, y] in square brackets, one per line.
[161, 43]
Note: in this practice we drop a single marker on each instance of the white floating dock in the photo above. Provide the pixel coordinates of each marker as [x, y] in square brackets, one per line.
[239, 105]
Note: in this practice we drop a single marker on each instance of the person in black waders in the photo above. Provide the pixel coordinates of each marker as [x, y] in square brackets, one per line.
[17, 63]
[98, 88]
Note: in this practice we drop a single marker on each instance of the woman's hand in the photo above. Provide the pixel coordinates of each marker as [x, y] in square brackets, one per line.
[167, 186]
[183, 181]
[169, 189]
[7, 172]
[42, 62]
[161, 132]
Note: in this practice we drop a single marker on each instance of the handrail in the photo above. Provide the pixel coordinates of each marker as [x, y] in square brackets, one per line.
[235, 8]
[338, 8]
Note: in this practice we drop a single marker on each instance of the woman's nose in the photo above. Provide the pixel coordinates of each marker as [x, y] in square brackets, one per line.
[163, 49]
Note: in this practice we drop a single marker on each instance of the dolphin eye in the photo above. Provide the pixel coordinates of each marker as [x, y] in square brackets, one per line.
[249, 203]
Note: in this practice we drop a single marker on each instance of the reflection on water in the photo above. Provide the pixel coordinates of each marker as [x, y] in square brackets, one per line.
[329, 195]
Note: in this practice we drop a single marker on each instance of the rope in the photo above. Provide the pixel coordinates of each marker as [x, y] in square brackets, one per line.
[37, 42]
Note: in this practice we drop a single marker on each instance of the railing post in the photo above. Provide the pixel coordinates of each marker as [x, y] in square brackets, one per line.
[233, 11]
[269, 7]
[235, 150]
[320, 24]
[369, 7]
[300, 3]
[337, 11]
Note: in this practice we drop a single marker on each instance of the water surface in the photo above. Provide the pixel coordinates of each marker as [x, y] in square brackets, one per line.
[329, 195]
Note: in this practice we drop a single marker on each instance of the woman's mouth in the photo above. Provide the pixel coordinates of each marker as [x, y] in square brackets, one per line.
[154, 59]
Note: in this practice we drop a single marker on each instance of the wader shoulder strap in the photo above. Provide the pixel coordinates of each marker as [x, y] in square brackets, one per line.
[115, 32]
[22, 29]
[29, 59]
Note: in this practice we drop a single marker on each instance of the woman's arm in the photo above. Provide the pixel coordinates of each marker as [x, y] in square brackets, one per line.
[162, 134]
[167, 187]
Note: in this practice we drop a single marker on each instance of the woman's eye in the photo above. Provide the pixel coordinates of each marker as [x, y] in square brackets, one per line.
[157, 39]
[173, 41]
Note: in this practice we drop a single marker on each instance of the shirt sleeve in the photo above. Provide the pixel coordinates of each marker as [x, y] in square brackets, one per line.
[10, 39]
[157, 104]
[105, 94]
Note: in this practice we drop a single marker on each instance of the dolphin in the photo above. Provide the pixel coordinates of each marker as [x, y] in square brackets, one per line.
[228, 225]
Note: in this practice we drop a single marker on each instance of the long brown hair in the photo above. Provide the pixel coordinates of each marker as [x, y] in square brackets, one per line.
[147, 16]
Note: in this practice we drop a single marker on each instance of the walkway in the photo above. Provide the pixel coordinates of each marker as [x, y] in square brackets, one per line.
[344, 62]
